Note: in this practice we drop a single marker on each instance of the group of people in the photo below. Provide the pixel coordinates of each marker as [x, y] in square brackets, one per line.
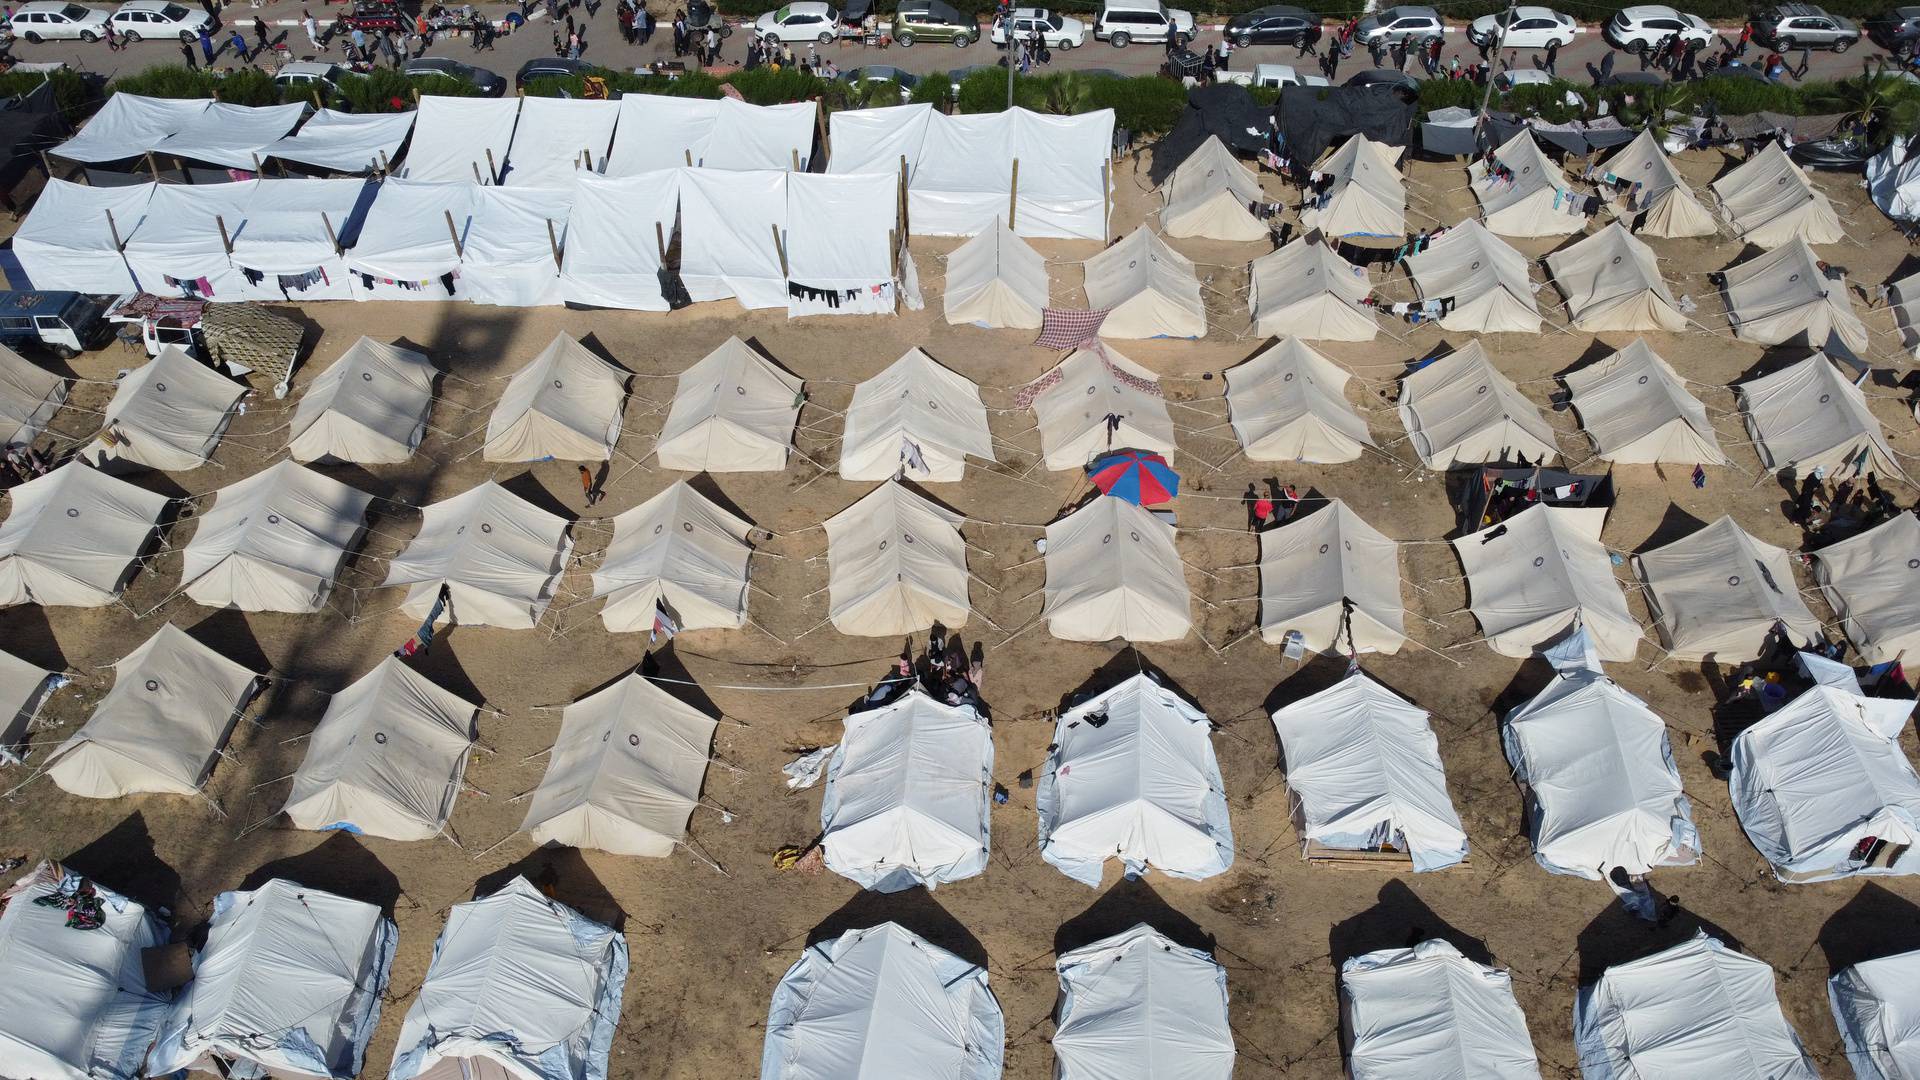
[702, 43]
[636, 22]
[947, 673]
[1851, 506]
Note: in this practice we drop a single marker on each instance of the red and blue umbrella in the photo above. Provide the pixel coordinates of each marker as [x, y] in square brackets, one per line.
[1141, 478]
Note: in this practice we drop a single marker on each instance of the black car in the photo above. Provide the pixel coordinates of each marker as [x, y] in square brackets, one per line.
[1895, 31]
[1383, 79]
[489, 84]
[551, 67]
[1275, 25]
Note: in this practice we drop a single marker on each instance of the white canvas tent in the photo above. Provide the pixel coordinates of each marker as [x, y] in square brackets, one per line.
[678, 552]
[1636, 410]
[882, 1003]
[1136, 1006]
[71, 237]
[498, 555]
[896, 564]
[1782, 297]
[916, 418]
[343, 141]
[1363, 772]
[289, 985]
[1113, 573]
[73, 536]
[1429, 1013]
[1612, 282]
[730, 229]
[284, 239]
[563, 405]
[369, 407]
[734, 411]
[410, 244]
[387, 758]
[1869, 580]
[1663, 204]
[1719, 591]
[233, 136]
[1893, 179]
[557, 139]
[129, 125]
[29, 396]
[1487, 280]
[616, 232]
[166, 414]
[1697, 1009]
[1808, 415]
[1306, 290]
[461, 139]
[512, 246]
[274, 541]
[837, 239]
[24, 688]
[1767, 201]
[521, 987]
[178, 250]
[160, 728]
[625, 773]
[1460, 410]
[1331, 581]
[1535, 201]
[658, 132]
[1083, 392]
[909, 795]
[1147, 289]
[1289, 403]
[1143, 787]
[1875, 1005]
[1366, 200]
[1541, 572]
[996, 279]
[74, 1004]
[1211, 194]
[1903, 299]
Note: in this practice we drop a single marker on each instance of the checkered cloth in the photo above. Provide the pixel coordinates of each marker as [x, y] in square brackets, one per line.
[1069, 329]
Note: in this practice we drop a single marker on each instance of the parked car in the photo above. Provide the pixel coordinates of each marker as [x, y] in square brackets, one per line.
[137, 19]
[489, 84]
[802, 20]
[1897, 30]
[551, 67]
[309, 74]
[1283, 75]
[1527, 28]
[1383, 79]
[932, 20]
[1279, 24]
[64, 323]
[1059, 31]
[1122, 22]
[376, 17]
[1637, 29]
[52, 20]
[882, 73]
[1406, 25]
[1789, 26]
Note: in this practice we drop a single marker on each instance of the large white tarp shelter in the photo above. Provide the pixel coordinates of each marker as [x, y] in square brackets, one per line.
[234, 136]
[1137, 1006]
[1612, 282]
[71, 237]
[344, 141]
[837, 242]
[678, 552]
[896, 564]
[1893, 179]
[29, 396]
[1487, 280]
[557, 139]
[166, 414]
[1808, 415]
[289, 985]
[1719, 591]
[909, 795]
[1461, 410]
[996, 279]
[1331, 581]
[1211, 194]
[498, 555]
[284, 239]
[1142, 786]
[72, 536]
[513, 245]
[521, 987]
[1429, 1013]
[1636, 410]
[1366, 200]
[563, 405]
[658, 132]
[1289, 403]
[1876, 1004]
[918, 418]
[24, 688]
[1081, 396]
[615, 235]
[410, 243]
[1363, 772]
[1768, 201]
[274, 541]
[734, 411]
[1306, 290]
[625, 773]
[1114, 573]
[463, 139]
[1697, 1009]
[731, 224]
[387, 758]
[1541, 572]
[160, 728]
[1870, 579]
[74, 1004]
[129, 125]
[1783, 297]
[1663, 204]
[1534, 199]
[1146, 288]
[883, 1003]
[369, 407]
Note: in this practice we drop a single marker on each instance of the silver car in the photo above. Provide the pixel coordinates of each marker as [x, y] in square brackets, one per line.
[1790, 26]
[1405, 25]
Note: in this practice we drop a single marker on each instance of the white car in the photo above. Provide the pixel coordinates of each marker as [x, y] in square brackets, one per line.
[139, 19]
[1061, 32]
[1637, 29]
[1527, 28]
[1282, 75]
[46, 20]
[802, 20]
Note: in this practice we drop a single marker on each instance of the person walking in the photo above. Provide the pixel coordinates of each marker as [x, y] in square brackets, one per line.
[239, 43]
[1308, 43]
[312, 26]
[646, 23]
[1226, 53]
[1553, 56]
[1434, 48]
[625, 16]
[186, 53]
[1377, 52]
[206, 47]
[260, 34]
[1806, 60]
[679, 34]
[1746, 36]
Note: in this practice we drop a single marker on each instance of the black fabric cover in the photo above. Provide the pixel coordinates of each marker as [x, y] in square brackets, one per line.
[1447, 141]
[1223, 109]
[29, 124]
[1312, 118]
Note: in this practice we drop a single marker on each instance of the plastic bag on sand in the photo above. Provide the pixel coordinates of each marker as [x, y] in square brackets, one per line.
[804, 771]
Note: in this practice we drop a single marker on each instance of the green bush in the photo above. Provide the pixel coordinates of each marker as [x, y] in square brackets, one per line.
[1448, 93]
[695, 84]
[75, 94]
[765, 86]
[935, 89]
[1145, 105]
[167, 81]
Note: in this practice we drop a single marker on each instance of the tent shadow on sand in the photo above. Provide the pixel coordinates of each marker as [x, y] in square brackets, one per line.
[341, 865]
[1124, 664]
[1616, 936]
[1875, 923]
[1120, 908]
[124, 859]
[563, 874]
[1398, 919]
[915, 909]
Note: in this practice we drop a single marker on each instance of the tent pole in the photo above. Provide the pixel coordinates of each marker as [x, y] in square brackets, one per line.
[493, 170]
[796, 157]
[384, 166]
[689, 154]
[1106, 201]
[256, 166]
[780, 246]
[660, 239]
[46, 163]
[112, 227]
[820, 125]
[900, 198]
[152, 167]
[893, 251]
[226, 241]
[1013, 193]
[553, 243]
[459, 249]
[316, 100]
[476, 171]
[331, 235]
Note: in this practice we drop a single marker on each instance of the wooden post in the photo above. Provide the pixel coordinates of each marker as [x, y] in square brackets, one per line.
[689, 154]
[153, 167]
[493, 170]
[1013, 194]
[900, 198]
[780, 246]
[820, 126]
[660, 239]
[416, 96]
[459, 249]
[331, 235]
[256, 166]
[226, 241]
[893, 252]
[1106, 202]
[114, 228]
[46, 163]
[476, 172]
[316, 100]
[553, 244]
[385, 167]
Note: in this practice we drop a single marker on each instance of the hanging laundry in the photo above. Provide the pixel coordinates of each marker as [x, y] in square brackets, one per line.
[911, 456]
[422, 639]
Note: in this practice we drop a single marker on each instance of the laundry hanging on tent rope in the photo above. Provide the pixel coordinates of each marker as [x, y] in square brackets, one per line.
[1064, 330]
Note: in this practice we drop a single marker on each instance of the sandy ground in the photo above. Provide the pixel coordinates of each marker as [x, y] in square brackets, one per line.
[708, 946]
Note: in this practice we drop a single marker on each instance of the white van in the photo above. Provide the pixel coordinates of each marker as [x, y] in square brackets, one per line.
[1278, 75]
[1123, 22]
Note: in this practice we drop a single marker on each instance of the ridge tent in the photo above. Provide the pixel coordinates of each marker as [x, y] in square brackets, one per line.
[557, 139]
[29, 396]
[1363, 773]
[1146, 288]
[1783, 297]
[908, 797]
[1541, 572]
[1767, 201]
[1868, 580]
[1460, 409]
[1636, 409]
[1289, 403]
[160, 729]
[461, 139]
[369, 407]
[617, 230]
[1210, 194]
[499, 556]
[836, 241]
[1719, 591]
[1329, 576]
[129, 125]
[1136, 1006]
[677, 552]
[24, 687]
[233, 136]
[1664, 205]
[386, 759]
[166, 414]
[344, 142]
[74, 537]
[513, 245]
[410, 244]
[1084, 394]
[658, 132]
[734, 411]
[274, 541]
[1306, 290]
[1697, 1009]
[72, 236]
[521, 987]
[625, 772]
[1113, 573]
[1901, 299]
[1487, 280]
[1534, 201]
[1366, 201]
[1873, 1004]
[282, 239]
[883, 1003]
[1428, 1013]
[1142, 786]
[1808, 415]
[896, 564]
[1612, 282]
[996, 279]
[74, 1004]
[916, 418]
[730, 229]
[564, 405]
[289, 985]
